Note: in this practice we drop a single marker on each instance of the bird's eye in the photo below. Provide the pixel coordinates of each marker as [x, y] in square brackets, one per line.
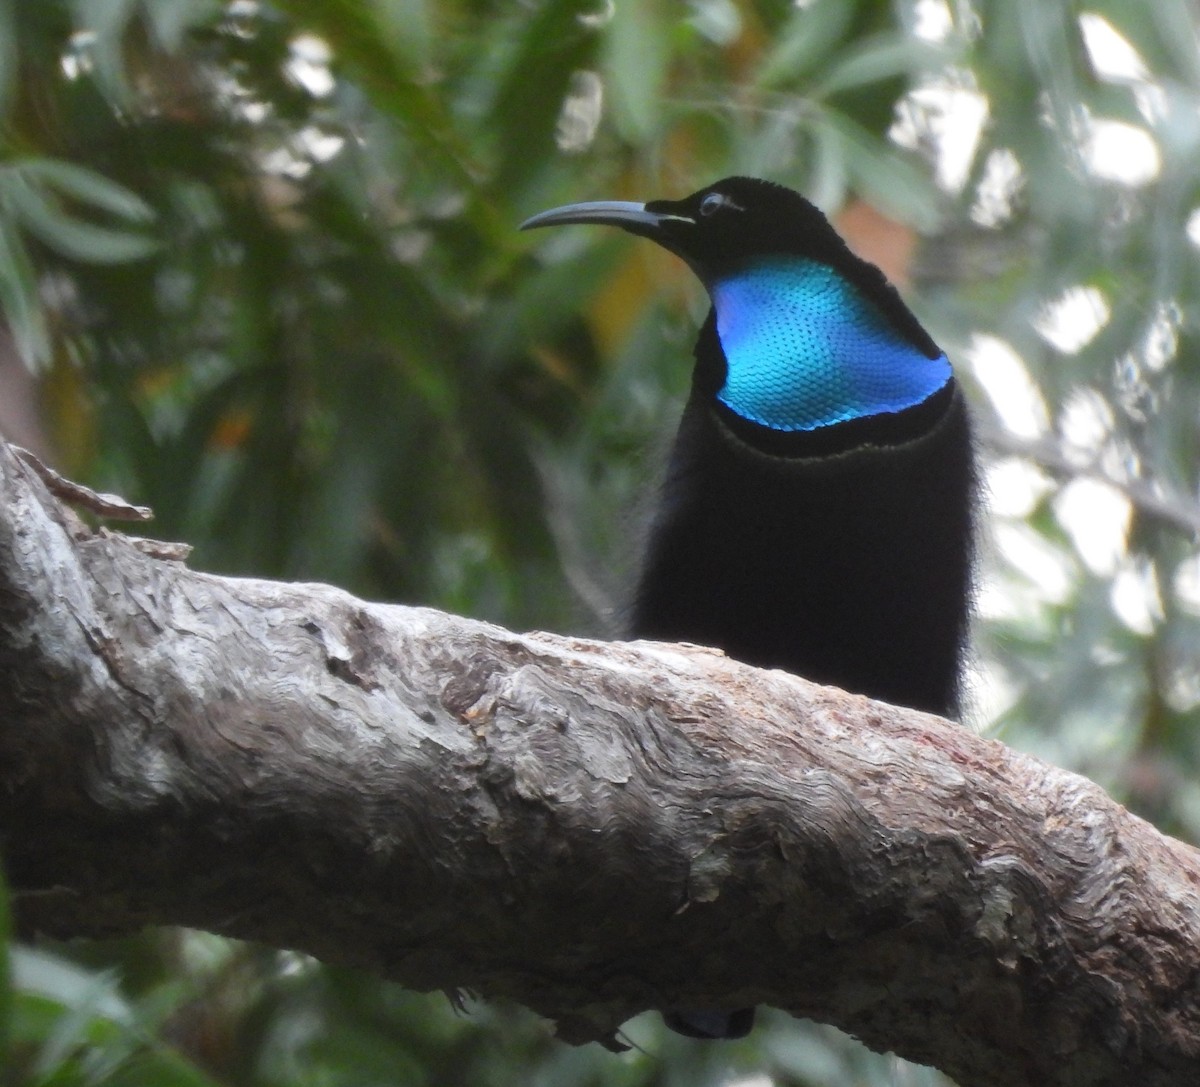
[711, 203]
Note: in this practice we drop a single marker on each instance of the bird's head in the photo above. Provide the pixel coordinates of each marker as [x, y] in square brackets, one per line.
[729, 230]
[719, 229]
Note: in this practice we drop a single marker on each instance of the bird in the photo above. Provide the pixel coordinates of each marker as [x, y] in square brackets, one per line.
[817, 509]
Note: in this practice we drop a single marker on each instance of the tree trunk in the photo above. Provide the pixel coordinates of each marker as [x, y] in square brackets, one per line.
[591, 829]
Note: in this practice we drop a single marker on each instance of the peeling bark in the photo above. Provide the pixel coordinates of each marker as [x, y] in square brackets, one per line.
[591, 829]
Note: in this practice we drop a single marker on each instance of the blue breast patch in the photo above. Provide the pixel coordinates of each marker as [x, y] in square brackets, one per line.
[805, 349]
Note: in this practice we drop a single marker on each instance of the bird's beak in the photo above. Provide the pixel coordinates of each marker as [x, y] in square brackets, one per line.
[627, 214]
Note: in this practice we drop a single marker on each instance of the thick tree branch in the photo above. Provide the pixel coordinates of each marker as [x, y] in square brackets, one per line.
[590, 829]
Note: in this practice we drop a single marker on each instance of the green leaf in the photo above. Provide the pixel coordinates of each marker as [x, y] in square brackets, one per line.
[638, 48]
[883, 177]
[810, 35]
[74, 1006]
[79, 1025]
[1176, 20]
[408, 27]
[76, 238]
[829, 175]
[88, 187]
[19, 298]
[876, 60]
[161, 1068]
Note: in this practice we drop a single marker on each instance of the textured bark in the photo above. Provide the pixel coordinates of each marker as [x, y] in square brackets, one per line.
[591, 829]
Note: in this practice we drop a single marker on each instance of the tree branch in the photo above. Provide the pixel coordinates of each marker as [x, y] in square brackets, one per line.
[591, 829]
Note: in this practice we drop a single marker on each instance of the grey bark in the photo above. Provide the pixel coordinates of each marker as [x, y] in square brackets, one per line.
[591, 829]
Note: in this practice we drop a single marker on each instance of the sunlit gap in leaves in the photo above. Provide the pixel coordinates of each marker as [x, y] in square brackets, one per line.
[1116, 150]
[944, 117]
[241, 18]
[998, 190]
[1193, 227]
[1071, 321]
[579, 118]
[77, 59]
[308, 65]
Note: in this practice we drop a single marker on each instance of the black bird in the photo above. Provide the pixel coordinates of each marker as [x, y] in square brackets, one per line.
[816, 514]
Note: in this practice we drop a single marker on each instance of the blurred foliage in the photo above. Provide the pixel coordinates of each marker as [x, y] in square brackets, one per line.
[264, 258]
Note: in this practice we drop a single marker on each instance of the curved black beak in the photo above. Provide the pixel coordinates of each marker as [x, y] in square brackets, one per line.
[627, 214]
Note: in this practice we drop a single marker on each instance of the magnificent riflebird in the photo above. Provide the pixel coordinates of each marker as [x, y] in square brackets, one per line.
[816, 510]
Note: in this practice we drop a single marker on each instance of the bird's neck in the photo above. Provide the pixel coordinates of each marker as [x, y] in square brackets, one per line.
[805, 348]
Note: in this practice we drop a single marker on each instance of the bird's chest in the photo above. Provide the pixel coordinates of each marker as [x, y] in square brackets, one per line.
[783, 532]
[801, 562]
[803, 349]
[760, 509]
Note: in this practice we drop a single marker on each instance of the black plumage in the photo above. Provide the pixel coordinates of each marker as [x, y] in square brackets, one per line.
[848, 566]
[827, 529]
